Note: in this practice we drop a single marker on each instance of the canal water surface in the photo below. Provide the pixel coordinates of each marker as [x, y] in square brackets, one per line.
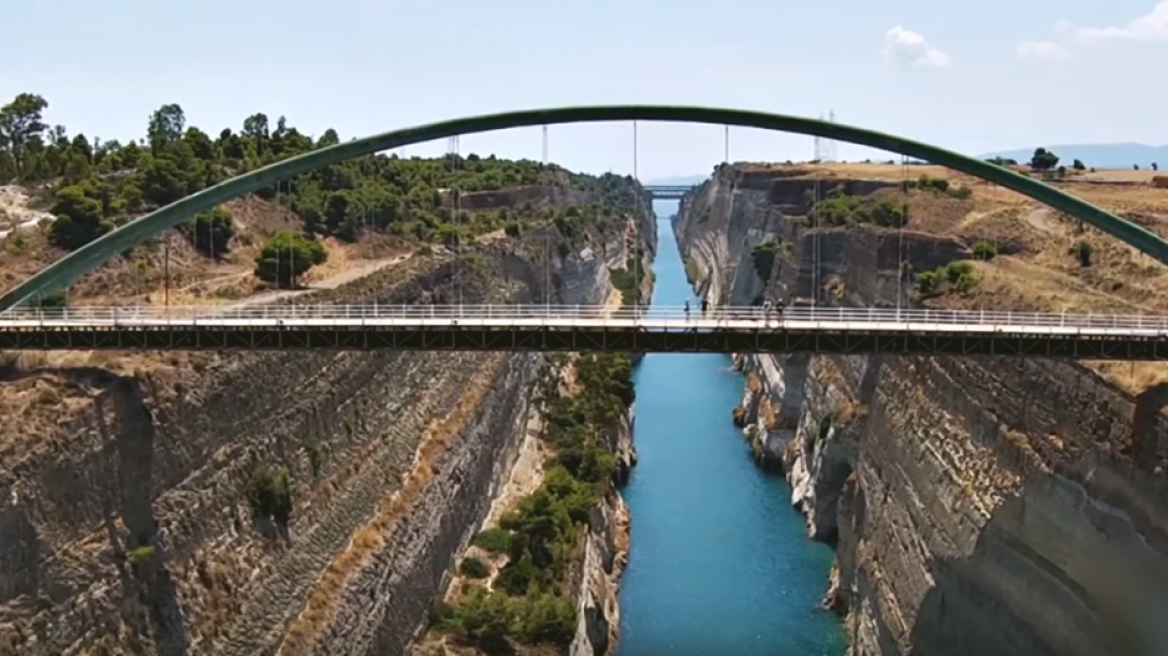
[718, 562]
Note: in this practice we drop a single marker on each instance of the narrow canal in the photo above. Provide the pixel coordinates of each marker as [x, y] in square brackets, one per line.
[718, 563]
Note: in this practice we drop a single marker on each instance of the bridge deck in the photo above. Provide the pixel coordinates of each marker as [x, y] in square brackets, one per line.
[533, 327]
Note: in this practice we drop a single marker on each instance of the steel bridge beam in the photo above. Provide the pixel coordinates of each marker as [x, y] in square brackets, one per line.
[64, 271]
[1104, 347]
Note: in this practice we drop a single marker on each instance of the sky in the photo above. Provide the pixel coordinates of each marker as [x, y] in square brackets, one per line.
[973, 76]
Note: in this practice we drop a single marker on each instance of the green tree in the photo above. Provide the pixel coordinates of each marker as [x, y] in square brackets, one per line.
[547, 619]
[211, 231]
[1043, 160]
[80, 218]
[165, 128]
[1078, 165]
[286, 257]
[161, 180]
[985, 250]
[200, 144]
[473, 568]
[21, 129]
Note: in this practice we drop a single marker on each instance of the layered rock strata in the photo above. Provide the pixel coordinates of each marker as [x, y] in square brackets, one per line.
[979, 506]
[131, 532]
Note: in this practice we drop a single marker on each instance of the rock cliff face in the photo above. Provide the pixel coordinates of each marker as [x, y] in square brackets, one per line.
[131, 532]
[979, 506]
[606, 552]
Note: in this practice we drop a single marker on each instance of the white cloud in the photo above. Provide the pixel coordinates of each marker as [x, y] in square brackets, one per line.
[1046, 50]
[910, 49]
[1152, 26]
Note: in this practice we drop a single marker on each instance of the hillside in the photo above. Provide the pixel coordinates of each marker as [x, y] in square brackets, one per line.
[63, 192]
[971, 501]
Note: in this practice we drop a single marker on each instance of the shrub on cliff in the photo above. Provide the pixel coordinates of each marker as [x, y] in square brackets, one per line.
[494, 540]
[928, 283]
[546, 619]
[543, 534]
[480, 614]
[957, 276]
[985, 250]
[270, 495]
[473, 568]
[1082, 252]
[841, 209]
[763, 258]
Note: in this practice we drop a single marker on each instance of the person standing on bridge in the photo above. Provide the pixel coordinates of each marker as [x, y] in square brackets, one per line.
[687, 309]
[705, 305]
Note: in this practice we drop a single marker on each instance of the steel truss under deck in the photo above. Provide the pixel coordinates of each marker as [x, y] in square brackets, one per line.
[469, 338]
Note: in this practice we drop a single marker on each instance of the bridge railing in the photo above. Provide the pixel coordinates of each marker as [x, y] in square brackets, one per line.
[86, 315]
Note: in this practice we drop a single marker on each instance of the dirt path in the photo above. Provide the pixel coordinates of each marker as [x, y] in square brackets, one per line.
[14, 212]
[332, 282]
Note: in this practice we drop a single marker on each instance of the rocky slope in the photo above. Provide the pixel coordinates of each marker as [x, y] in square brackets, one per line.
[979, 506]
[596, 567]
[128, 528]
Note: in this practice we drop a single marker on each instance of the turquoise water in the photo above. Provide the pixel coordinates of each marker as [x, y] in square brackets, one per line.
[718, 562]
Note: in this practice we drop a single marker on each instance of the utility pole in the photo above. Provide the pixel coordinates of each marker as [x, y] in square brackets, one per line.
[166, 274]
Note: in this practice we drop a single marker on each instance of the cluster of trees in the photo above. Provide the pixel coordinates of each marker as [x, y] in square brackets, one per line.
[957, 276]
[842, 209]
[939, 185]
[529, 600]
[100, 184]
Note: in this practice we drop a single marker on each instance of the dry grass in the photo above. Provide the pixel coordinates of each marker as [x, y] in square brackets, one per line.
[195, 279]
[320, 610]
[1039, 274]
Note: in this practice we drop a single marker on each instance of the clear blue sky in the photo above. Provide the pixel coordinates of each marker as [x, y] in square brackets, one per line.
[974, 76]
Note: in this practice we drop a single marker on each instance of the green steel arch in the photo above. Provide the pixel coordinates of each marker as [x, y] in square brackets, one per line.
[63, 272]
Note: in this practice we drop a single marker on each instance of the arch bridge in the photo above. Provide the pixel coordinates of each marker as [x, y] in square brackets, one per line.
[68, 269]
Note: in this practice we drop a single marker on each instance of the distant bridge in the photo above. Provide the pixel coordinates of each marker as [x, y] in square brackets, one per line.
[667, 192]
[590, 328]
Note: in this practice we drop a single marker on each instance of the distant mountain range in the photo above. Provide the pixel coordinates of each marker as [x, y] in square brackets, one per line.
[1103, 156]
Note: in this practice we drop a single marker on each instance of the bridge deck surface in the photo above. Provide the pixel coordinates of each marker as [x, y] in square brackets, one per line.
[587, 328]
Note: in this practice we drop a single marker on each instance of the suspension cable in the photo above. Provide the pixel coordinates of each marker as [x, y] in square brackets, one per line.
[636, 231]
[900, 272]
[547, 236]
[452, 155]
[815, 241]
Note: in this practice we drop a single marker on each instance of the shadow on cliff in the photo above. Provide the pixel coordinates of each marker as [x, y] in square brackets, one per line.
[141, 562]
[1104, 596]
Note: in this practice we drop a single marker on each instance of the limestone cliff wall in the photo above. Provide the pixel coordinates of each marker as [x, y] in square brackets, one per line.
[606, 552]
[385, 451]
[979, 506]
